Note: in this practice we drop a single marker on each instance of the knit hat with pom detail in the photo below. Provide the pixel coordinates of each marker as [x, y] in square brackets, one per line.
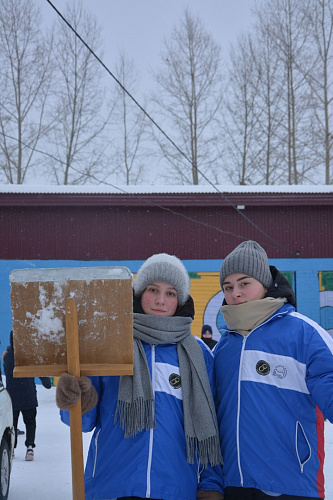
[248, 258]
[167, 268]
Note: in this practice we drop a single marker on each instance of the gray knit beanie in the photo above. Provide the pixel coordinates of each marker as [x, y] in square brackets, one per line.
[167, 268]
[248, 258]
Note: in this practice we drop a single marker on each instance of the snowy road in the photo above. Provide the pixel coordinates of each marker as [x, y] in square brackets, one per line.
[48, 477]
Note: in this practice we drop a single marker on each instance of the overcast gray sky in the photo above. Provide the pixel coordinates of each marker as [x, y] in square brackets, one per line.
[138, 27]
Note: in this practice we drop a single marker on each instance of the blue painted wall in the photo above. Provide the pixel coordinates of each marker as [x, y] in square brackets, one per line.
[306, 280]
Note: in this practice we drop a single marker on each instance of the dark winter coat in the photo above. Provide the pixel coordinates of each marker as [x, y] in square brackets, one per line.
[280, 287]
[209, 341]
[22, 391]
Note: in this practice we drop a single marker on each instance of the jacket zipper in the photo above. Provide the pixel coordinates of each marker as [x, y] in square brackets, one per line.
[151, 431]
[238, 413]
[239, 390]
[96, 447]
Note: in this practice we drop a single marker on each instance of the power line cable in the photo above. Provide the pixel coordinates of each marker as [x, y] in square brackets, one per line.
[33, 149]
[145, 201]
[165, 134]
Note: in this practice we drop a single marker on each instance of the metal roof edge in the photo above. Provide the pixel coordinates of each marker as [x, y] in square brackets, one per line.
[168, 189]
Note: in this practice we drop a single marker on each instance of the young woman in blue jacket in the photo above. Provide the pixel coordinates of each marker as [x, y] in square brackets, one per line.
[274, 375]
[155, 433]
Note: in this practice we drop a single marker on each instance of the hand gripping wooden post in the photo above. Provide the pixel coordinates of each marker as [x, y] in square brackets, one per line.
[77, 320]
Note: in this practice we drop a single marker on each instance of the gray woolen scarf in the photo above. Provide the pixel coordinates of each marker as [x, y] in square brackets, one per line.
[136, 405]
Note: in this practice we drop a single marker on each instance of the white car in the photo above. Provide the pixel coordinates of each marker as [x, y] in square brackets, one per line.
[7, 437]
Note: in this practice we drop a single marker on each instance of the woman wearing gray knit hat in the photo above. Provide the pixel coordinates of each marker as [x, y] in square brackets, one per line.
[156, 433]
[274, 374]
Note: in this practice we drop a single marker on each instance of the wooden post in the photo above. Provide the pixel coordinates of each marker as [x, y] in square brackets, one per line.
[73, 363]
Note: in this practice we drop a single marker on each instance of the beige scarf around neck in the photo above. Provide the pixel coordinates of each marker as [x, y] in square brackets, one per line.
[244, 318]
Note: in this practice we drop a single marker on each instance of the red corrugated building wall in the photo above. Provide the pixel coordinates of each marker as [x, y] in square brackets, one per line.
[90, 225]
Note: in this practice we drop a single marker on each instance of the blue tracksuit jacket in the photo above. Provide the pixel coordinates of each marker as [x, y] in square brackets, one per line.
[273, 389]
[153, 463]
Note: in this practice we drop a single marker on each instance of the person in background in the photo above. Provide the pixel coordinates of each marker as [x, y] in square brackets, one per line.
[155, 433]
[23, 393]
[207, 336]
[274, 376]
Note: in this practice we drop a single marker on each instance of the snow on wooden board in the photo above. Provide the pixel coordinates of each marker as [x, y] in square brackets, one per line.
[103, 296]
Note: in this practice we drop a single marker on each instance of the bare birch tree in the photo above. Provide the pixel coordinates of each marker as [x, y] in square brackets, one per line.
[24, 87]
[291, 36]
[270, 89]
[128, 127]
[321, 81]
[79, 97]
[241, 121]
[271, 105]
[188, 98]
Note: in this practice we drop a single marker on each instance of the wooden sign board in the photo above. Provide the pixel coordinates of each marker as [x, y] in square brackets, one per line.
[103, 296]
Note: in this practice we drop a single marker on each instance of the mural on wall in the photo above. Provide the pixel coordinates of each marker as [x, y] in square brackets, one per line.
[213, 315]
[326, 300]
[208, 297]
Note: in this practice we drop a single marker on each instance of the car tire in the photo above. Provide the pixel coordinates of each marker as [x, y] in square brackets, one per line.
[4, 470]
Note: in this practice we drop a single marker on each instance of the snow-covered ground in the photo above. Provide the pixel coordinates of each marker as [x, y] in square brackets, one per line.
[49, 475]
